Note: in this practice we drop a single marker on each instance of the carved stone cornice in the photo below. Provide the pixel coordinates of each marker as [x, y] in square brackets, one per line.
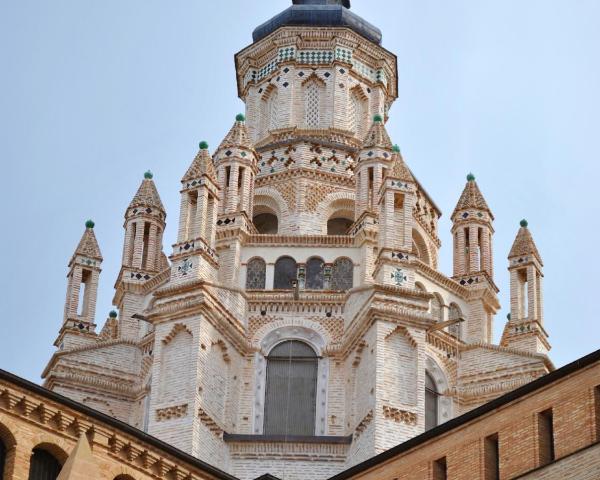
[335, 179]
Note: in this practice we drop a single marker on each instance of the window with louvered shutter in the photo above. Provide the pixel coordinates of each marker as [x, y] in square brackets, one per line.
[291, 392]
[43, 466]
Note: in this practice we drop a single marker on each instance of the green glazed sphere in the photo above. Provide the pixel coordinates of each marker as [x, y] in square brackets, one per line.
[470, 177]
[378, 118]
[148, 175]
[203, 145]
[396, 149]
[89, 224]
[240, 117]
[112, 314]
[524, 223]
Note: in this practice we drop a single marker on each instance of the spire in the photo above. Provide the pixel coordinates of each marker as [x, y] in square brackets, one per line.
[238, 136]
[524, 244]
[201, 166]
[399, 169]
[472, 197]
[147, 194]
[377, 136]
[88, 245]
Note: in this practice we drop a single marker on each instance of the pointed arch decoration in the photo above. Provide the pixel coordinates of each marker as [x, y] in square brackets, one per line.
[178, 327]
[358, 112]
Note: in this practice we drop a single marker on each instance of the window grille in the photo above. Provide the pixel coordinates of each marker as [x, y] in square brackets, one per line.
[43, 466]
[314, 274]
[255, 274]
[312, 100]
[342, 274]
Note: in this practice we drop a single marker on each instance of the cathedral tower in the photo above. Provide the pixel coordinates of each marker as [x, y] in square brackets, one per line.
[82, 289]
[525, 326]
[472, 233]
[143, 257]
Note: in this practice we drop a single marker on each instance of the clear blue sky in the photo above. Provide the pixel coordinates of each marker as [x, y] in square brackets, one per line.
[93, 93]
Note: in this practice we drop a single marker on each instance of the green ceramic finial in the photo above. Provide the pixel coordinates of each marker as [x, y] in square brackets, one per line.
[378, 118]
[112, 314]
[203, 145]
[396, 149]
[524, 223]
[89, 224]
[240, 117]
[148, 175]
[508, 317]
[470, 177]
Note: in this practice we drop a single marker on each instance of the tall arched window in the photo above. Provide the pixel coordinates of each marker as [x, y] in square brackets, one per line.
[312, 104]
[431, 402]
[342, 274]
[255, 274]
[285, 273]
[269, 112]
[43, 465]
[291, 391]
[314, 274]
[357, 114]
[2, 458]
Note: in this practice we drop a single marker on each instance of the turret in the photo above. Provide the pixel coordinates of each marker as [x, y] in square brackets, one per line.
[397, 197]
[374, 158]
[194, 255]
[82, 286]
[472, 232]
[473, 263]
[236, 163]
[144, 226]
[525, 327]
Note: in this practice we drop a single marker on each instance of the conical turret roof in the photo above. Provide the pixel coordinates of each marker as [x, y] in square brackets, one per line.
[238, 136]
[88, 245]
[399, 168]
[377, 136]
[147, 195]
[472, 197]
[524, 244]
[202, 165]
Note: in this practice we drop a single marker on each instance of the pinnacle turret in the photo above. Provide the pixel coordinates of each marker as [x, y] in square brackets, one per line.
[399, 170]
[472, 198]
[202, 165]
[524, 244]
[377, 137]
[147, 195]
[88, 245]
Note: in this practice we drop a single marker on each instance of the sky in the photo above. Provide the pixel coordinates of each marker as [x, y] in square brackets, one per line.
[94, 93]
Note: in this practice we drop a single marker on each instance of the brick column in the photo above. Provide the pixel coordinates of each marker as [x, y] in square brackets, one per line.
[232, 189]
[200, 216]
[460, 252]
[531, 293]
[183, 218]
[138, 244]
[128, 245]
[486, 254]
[152, 258]
[73, 294]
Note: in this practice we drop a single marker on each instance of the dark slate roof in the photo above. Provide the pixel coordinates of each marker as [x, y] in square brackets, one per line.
[319, 13]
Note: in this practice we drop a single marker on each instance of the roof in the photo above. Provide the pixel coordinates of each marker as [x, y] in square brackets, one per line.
[113, 422]
[147, 196]
[472, 197]
[319, 13]
[472, 415]
[201, 165]
[377, 137]
[400, 170]
[88, 245]
[524, 245]
[237, 137]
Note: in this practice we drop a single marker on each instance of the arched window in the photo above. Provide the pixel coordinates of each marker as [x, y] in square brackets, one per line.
[431, 402]
[270, 112]
[314, 274]
[338, 226]
[437, 309]
[342, 274]
[291, 391]
[255, 274]
[285, 273]
[124, 477]
[43, 465]
[266, 223]
[312, 101]
[454, 313]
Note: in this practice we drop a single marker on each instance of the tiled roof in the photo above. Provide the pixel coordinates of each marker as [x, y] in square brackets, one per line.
[472, 197]
[202, 165]
[524, 245]
[147, 196]
[88, 245]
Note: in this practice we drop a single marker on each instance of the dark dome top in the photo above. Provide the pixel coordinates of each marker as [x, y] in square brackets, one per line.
[319, 13]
